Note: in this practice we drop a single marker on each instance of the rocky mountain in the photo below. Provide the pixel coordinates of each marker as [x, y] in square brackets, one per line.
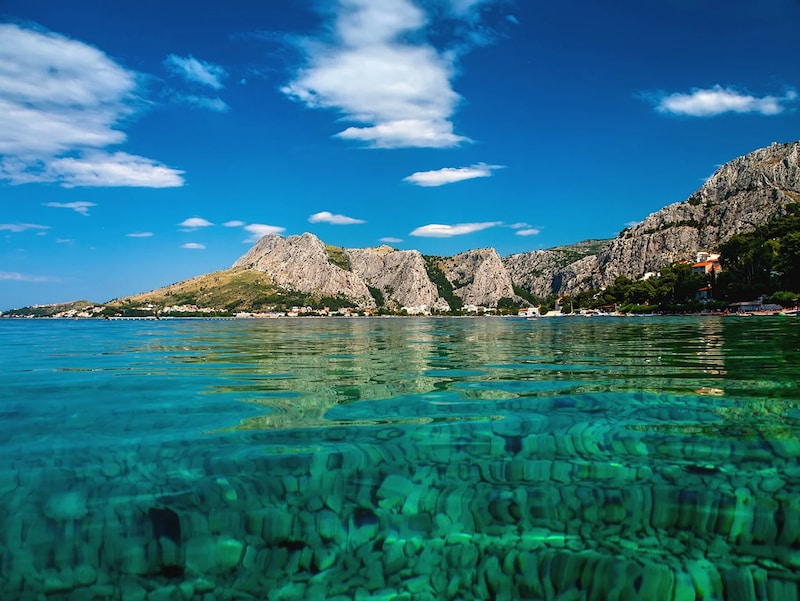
[741, 195]
[296, 270]
[401, 277]
[306, 264]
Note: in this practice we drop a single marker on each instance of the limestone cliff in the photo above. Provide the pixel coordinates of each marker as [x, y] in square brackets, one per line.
[304, 263]
[478, 277]
[399, 275]
[741, 195]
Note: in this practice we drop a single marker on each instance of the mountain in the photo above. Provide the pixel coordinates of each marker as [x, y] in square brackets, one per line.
[741, 195]
[280, 272]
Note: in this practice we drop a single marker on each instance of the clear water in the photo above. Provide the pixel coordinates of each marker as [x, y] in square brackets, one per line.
[377, 459]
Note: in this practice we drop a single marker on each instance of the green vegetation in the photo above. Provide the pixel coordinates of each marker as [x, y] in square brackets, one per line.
[48, 310]
[765, 261]
[443, 285]
[674, 291]
[380, 301]
[338, 256]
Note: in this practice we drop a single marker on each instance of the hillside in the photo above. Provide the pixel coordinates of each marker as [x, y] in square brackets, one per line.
[279, 272]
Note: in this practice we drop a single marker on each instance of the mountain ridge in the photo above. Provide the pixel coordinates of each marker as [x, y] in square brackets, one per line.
[741, 195]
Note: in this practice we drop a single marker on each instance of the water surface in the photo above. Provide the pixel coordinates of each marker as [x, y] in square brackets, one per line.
[573, 458]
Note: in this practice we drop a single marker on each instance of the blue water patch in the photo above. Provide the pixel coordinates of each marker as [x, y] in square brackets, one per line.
[335, 459]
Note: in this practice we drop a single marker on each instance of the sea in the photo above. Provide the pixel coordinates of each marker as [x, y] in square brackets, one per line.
[374, 459]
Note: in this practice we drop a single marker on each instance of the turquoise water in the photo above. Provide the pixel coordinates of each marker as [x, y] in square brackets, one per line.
[377, 459]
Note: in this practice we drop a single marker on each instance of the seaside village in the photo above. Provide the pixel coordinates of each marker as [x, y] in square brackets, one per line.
[706, 263]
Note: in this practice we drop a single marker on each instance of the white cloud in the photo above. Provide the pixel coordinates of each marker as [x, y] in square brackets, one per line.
[718, 100]
[202, 102]
[14, 276]
[194, 246]
[390, 240]
[197, 71]
[328, 217]
[21, 227]
[450, 175]
[119, 169]
[61, 97]
[632, 223]
[531, 231]
[194, 223]
[140, 235]
[259, 230]
[65, 241]
[519, 225]
[436, 230]
[233, 223]
[398, 92]
[80, 206]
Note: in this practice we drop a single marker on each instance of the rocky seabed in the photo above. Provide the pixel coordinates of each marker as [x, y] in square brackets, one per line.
[525, 506]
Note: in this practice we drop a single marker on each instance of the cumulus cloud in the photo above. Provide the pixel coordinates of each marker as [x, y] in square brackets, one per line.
[193, 223]
[13, 276]
[436, 230]
[22, 227]
[233, 223]
[196, 71]
[194, 246]
[328, 217]
[80, 206]
[259, 230]
[718, 100]
[397, 91]
[59, 100]
[140, 235]
[450, 175]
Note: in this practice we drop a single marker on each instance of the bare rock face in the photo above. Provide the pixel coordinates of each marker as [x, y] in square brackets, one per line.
[742, 195]
[479, 277]
[400, 275]
[303, 263]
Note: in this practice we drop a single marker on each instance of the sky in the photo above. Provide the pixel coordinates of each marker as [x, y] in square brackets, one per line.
[143, 143]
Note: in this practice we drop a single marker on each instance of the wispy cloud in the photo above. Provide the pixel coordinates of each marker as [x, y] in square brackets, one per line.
[80, 206]
[197, 71]
[718, 100]
[376, 73]
[193, 223]
[98, 169]
[140, 235]
[201, 102]
[437, 230]
[22, 227]
[61, 104]
[194, 246]
[65, 241]
[450, 175]
[259, 230]
[233, 223]
[13, 276]
[524, 229]
[390, 240]
[328, 217]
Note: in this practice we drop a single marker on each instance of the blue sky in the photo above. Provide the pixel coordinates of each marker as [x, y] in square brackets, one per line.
[146, 142]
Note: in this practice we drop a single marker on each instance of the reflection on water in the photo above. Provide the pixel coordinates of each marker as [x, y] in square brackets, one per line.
[342, 459]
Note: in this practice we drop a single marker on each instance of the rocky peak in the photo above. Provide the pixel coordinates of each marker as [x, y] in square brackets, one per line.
[741, 195]
[400, 275]
[479, 277]
[304, 263]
